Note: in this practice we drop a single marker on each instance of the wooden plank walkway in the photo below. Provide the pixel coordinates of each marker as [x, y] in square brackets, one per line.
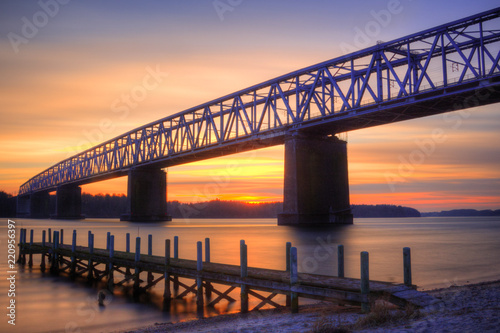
[87, 262]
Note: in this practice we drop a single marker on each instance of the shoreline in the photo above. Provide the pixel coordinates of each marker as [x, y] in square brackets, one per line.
[467, 308]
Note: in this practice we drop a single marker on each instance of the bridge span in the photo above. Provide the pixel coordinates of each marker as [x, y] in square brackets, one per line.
[450, 67]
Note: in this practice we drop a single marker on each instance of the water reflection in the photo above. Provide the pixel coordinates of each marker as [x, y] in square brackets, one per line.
[444, 251]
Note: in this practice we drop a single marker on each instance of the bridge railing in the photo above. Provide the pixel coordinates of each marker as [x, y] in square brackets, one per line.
[451, 54]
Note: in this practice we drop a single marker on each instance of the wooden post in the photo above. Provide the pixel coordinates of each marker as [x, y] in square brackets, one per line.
[73, 242]
[340, 261]
[244, 274]
[150, 253]
[208, 285]
[21, 246]
[127, 249]
[150, 245]
[137, 249]
[288, 246]
[56, 250]
[176, 247]
[108, 239]
[176, 256]
[199, 281]
[365, 281]
[407, 266]
[49, 256]
[137, 272]
[72, 272]
[111, 283]
[108, 242]
[25, 245]
[42, 264]
[166, 293]
[90, 276]
[61, 235]
[54, 269]
[207, 249]
[30, 261]
[294, 279]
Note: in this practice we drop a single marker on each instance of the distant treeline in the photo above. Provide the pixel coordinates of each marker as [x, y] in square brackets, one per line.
[224, 209]
[113, 206]
[7, 205]
[464, 212]
[383, 211]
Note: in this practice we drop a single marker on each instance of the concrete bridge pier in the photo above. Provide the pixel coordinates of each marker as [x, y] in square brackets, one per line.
[40, 205]
[146, 195]
[68, 203]
[23, 204]
[316, 186]
[34, 206]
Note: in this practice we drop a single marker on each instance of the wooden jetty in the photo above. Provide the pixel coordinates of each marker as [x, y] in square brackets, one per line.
[120, 268]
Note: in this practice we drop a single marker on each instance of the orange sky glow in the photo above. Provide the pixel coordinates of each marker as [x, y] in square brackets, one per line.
[61, 94]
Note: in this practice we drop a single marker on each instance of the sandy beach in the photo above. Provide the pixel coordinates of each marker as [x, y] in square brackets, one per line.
[469, 308]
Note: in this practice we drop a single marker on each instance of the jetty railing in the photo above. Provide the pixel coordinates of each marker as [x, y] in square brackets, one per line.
[120, 268]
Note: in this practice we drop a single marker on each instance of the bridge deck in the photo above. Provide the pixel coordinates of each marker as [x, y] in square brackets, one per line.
[450, 67]
[312, 286]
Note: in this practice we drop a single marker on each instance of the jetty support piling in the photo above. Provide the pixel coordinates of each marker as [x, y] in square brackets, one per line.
[340, 261]
[127, 249]
[90, 276]
[137, 272]
[73, 256]
[30, 261]
[42, 263]
[365, 282]
[288, 246]
[407, 266]
[150, 253]
[166, 293]
[176, 256]
[199, 281]
[244, 275]
[208, 285]
[85, 262]
[294, 279]
[54, 269]
[110, 265]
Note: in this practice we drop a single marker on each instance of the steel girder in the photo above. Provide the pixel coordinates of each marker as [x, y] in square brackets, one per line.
[437, 59]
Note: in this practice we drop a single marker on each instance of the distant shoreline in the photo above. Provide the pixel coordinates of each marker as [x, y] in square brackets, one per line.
[113, 206]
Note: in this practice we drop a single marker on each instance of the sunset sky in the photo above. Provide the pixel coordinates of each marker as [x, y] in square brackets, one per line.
[64, 87]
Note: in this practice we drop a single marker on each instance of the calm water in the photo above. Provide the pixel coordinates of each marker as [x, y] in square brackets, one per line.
[445, 251]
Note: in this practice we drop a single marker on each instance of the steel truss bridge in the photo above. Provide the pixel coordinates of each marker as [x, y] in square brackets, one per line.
[450, 67]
